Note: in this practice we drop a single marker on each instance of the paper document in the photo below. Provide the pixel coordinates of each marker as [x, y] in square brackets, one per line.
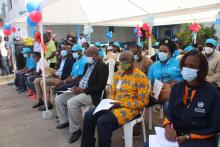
[153, 142]
[105, 104]
[160, 133]
[158, 85]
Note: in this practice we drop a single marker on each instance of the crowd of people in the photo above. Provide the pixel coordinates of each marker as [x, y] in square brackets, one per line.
[190, 93]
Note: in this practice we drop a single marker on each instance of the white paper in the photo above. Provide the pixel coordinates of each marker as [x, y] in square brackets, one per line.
[105, 104]
[158, 85]
[160, 132]
[153, 141]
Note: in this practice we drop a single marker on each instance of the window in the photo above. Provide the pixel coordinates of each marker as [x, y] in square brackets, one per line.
[111, 29]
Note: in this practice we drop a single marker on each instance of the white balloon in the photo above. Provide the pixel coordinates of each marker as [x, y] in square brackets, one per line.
[86, 27]
[150, 20]
[85, 32]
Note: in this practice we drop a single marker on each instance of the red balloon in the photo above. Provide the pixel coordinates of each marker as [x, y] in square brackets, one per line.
[7, 32]
[145, 27]
[195, 27]
[13, 29]
[36, 16]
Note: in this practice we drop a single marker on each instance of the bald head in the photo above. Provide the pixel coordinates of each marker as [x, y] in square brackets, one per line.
[127, 56]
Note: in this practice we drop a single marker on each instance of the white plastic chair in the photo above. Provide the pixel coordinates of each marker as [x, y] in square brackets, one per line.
[128, 130]
[85, 109]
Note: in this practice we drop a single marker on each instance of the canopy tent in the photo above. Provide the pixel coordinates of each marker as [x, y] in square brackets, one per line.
[126, 12]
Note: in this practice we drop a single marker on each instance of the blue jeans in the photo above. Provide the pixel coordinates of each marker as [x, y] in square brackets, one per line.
[5, 69]
[30, 81]
[106, 123]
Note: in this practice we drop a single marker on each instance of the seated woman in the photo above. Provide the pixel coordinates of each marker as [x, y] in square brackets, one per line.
[193, 109]
[166, 70]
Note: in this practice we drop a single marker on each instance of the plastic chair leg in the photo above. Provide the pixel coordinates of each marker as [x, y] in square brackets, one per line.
[128, 132]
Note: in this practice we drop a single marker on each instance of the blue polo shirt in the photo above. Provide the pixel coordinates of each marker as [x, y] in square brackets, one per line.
[78, 67]
[176, 53]
[165, 72]
[30, 62]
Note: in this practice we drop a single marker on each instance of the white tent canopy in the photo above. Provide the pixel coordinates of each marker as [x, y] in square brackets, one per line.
[126, 12]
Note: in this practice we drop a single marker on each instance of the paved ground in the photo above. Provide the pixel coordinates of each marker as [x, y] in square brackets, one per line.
[22, 126]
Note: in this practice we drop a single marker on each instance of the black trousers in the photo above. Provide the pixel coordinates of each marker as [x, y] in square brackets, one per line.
[106, 123]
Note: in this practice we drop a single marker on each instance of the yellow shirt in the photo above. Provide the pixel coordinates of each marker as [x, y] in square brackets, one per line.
[51, 48]
[132, 91]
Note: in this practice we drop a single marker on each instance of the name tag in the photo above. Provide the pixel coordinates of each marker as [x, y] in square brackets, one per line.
[119, 84]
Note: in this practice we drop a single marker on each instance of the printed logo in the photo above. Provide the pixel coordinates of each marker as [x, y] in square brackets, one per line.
[200, 105]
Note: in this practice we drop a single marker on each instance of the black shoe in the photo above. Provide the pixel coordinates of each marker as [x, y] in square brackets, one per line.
[75, 136]
[38, 104]
[43, 108]
[21, 91]
[61, 126]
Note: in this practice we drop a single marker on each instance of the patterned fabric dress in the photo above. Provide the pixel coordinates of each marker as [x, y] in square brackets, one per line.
[132, 91]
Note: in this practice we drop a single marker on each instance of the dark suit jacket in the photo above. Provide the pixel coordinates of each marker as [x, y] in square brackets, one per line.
[67, 67]
[97, 82]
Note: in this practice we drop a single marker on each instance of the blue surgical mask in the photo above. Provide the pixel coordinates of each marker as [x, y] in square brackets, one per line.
[163, 56]
[189, 74]
[63, 53]
[75, 55]
[90, 60]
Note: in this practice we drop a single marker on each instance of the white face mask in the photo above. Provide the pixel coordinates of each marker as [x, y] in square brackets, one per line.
[209, 50]
[189, 74]
[90, 60]
[75, 55]
[136, 57]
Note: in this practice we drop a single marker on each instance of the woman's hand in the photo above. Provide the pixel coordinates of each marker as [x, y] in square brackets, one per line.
[170, 133]
[181, 139]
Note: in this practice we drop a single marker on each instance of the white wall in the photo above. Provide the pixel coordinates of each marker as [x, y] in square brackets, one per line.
[121, 33]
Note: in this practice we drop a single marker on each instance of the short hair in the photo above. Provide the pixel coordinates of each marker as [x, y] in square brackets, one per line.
[37, 54]
[204, 66]
[169, 43]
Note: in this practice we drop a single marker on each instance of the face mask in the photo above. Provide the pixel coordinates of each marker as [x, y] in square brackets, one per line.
[208, 50]
[63, 53]
[163, 56]
[75, 55]
[25, 55]
[156, 51]
[125, 66]
[90, 60]
[136, 57]
[189, 74]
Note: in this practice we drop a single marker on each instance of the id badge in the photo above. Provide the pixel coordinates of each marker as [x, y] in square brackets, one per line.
[119, 84]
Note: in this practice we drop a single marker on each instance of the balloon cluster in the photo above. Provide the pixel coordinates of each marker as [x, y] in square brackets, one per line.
[195, 27]
[35, 13]
[8, 29]
[148, 23]
[137, 31]
[109, 35]
[87, 30]
[147, 30]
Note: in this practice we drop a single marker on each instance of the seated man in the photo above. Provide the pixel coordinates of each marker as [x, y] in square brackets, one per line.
[20, 75]
[61, 74]
[36, 74]
[77, 70]
[130, 89]
[89, 92]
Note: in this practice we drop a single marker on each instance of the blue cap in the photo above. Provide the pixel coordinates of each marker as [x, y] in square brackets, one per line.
[76, 47]
[116, 44]
[140, 44]
[98, 44]
[211, 41]
[189, 48]
[157, 44]
[26, 50]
